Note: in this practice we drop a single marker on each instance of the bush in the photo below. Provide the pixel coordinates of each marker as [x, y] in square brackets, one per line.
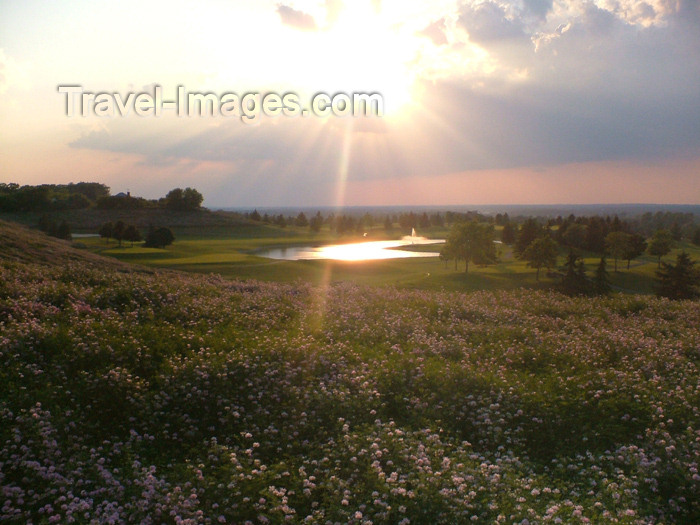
[159, 238]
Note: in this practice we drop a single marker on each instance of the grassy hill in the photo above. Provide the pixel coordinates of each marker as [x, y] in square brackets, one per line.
[129, 396]
[19, 244]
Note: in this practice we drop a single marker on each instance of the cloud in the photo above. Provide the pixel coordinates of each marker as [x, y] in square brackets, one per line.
[296, 19]
[488, 22]
[436, 32]
[538, 9]
[597, 88]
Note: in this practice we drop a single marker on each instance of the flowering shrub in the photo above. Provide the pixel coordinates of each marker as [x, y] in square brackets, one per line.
[164, 398]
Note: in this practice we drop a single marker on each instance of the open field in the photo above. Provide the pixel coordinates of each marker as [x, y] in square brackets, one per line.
[156, 396]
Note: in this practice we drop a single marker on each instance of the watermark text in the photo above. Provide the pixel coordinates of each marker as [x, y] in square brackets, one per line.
[249, 107]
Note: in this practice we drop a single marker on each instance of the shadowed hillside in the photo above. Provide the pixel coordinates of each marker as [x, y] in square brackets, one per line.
[20, 244]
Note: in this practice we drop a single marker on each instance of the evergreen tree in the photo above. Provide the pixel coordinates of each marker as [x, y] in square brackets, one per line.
[388, 225]
[575, 281]
[301, 220]
[529, 231]
[508, 233]
[316, 222]
[601, 284]
[680, 280]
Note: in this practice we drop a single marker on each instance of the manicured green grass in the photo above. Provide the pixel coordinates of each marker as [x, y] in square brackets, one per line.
[233, 253]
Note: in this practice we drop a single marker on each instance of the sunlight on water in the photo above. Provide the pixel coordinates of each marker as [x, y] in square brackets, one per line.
[359, 251]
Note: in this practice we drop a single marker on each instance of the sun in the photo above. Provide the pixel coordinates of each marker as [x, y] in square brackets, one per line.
[364, 52]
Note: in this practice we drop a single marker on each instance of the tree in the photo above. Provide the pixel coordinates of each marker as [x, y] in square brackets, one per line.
[106, 231]
[540, 253]
[132, 234]
[529, 231]
[575, 236]
[680, 280]
[63, 231]
[508, 233]
[255, 216]
[118, 231]
[159, 238]
[316, 222]
[660, 245]
[696, 236]
[471, 241]
[636, 247]
[301, 220]
[676, 231]
[188, 199]
[388, 225]
[601, 284]
[44, 223]
[596, 231]
[617, 244]
[574, 281]
[192, 199]
[446, 256]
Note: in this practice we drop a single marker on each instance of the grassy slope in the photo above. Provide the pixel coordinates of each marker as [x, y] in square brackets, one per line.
[19, 244]
[123, 396]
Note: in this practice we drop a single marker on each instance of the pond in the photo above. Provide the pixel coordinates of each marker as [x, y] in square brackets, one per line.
[357, 251]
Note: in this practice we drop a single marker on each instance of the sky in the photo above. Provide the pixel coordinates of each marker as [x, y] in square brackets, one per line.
[485, 101]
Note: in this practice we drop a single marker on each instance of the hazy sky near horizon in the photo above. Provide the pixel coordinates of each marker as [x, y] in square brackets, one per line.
[487, 101]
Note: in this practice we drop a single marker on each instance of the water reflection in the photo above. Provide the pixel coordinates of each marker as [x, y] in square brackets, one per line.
[358, 251]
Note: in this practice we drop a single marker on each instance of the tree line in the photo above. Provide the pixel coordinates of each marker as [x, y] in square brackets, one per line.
[75, 196]
[121, 231]
[348, 223]
[539, 246]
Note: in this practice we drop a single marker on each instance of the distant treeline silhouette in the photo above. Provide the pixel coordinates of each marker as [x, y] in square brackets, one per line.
[82, 195]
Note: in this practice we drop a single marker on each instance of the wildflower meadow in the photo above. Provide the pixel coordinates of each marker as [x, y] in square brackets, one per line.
[136, 397]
